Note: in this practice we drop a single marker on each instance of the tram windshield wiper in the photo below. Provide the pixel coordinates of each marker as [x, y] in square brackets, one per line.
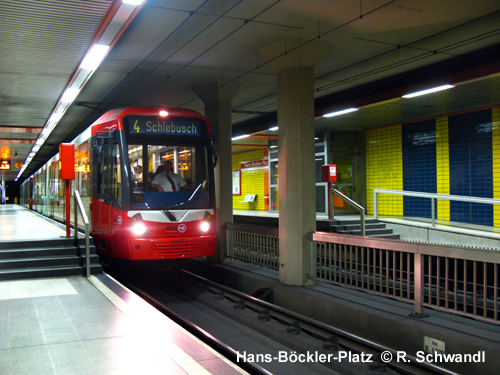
[170, 215]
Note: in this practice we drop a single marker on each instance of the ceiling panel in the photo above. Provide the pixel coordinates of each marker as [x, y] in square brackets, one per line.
[378, 50]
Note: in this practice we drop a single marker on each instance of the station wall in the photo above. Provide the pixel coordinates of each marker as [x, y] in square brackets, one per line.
[457, 154]
[253, 180]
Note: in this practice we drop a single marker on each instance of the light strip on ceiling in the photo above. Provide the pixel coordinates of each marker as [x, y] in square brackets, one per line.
[108, 34]
[337, 113]
[240, 137]
[428, 91]
[94, 57]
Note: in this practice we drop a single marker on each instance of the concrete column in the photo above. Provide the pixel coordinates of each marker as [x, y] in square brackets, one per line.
[293, 64]
[218, 112]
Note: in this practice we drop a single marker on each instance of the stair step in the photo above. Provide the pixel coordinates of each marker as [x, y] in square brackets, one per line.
[18, 263]
[373, 228]
[358, 226]
[40, 272]
[49, 258]
[394, 236]
[55, 243]
[352, 221]
[38, 252]
[77, 260]
[367, 232]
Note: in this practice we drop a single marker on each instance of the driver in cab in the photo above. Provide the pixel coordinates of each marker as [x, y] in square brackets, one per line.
[169, 181]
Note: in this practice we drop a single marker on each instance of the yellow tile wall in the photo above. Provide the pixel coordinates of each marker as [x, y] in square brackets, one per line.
[252, 182]
[495, 122]
[442, 167]
[384, 169]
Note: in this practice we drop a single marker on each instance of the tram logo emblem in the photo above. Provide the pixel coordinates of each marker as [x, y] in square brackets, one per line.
[181, 228]
[120, 220]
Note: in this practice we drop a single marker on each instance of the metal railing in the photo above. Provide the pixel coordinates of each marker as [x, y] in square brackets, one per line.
[354, 204]
[459, 280]
[253, 243]
[78, 204]
[432, 197]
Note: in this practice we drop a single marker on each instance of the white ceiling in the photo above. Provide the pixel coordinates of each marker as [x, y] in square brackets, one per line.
[379, 49]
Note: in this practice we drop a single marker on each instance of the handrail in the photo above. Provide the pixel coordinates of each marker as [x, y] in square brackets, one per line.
[443, 257]
[79, 204]
[432, 196]
[357, 206]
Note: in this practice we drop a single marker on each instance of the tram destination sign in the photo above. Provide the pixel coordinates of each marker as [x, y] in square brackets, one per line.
[164, 127]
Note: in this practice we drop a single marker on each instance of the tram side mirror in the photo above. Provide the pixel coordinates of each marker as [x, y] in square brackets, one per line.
[98, 154]
[214, 153]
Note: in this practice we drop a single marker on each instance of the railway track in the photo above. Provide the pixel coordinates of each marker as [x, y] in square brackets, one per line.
[263, 338]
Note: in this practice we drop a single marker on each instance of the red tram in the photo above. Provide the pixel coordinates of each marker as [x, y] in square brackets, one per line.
[118, 174]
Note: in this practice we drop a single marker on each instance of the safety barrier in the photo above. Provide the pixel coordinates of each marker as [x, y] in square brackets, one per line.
[253, 243]
[432, 197]
[459, 280]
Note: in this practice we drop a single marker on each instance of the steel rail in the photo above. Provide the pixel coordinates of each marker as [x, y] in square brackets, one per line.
[405, 368]
[201, 334]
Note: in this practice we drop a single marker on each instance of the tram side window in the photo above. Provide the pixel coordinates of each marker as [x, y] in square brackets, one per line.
[116, 191]
[102, 174]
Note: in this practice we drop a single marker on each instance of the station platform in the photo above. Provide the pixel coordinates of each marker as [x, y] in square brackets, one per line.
[75, 326]
[18, 223]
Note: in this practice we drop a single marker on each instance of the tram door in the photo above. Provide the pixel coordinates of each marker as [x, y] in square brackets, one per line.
[106, 181]
[101, 218]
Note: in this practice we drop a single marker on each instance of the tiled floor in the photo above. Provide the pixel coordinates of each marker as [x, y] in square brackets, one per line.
[35, 288]
[19, 223]
[66, 326]
[79, 326]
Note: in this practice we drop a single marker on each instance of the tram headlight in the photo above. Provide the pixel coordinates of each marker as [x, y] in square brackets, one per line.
[205, 226]
[139, 229]
[137, 226]
[207, 222]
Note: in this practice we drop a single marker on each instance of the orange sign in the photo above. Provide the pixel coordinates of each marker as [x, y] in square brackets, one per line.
[5, 165]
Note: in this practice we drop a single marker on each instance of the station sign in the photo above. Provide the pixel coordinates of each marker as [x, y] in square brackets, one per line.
[255, 164]
[5, 165]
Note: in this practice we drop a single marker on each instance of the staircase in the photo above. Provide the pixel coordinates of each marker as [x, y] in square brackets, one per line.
[373, 228]
[49, 258]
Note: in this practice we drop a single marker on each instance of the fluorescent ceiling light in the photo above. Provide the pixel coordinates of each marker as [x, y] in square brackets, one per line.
[94, 57]
[132, 2]
[428, 91]
[240, 137]
[274, 128]
[69, 95]
[55, 117]
[340, 112]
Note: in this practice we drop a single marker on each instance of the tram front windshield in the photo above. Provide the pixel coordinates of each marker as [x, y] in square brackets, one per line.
[185, 186]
